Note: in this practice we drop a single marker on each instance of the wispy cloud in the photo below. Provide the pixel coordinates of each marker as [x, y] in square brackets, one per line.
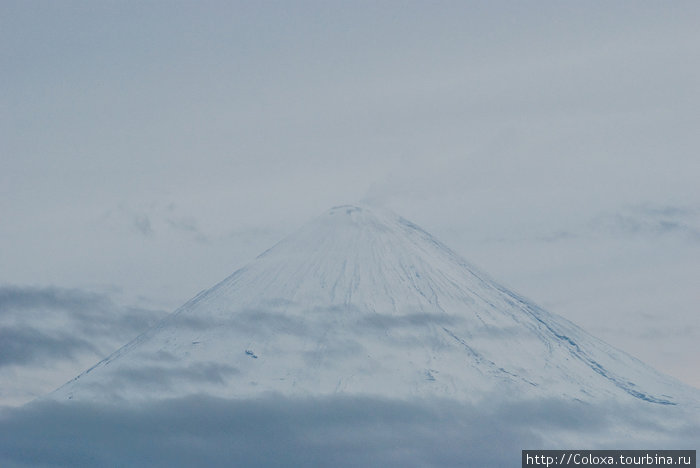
[54, 327]
[81, 313]
[22, 345]
[632, 221]
[142, 223]
[36, 300]
[649, 220]
[165, 377]
[154, 218]
[187, 224]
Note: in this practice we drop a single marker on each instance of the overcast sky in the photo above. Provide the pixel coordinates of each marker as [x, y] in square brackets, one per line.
[149, 149]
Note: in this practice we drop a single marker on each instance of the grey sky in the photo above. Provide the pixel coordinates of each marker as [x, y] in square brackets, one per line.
[147, 150]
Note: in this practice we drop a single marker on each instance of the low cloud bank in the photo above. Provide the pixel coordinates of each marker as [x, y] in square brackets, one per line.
[49, 335]
[331, 431]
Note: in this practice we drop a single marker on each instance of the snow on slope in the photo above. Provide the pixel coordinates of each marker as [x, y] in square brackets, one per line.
[363, 302]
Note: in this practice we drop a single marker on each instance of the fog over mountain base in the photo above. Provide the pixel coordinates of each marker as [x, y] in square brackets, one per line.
[327, 431]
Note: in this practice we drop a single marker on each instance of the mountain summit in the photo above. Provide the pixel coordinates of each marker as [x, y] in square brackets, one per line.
[363, 302]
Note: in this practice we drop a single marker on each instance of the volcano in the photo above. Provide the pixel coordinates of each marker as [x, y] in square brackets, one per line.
[363, 302]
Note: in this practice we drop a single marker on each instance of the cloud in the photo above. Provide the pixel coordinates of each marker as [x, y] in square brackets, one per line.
[32, 299]
[187, 224]
[255, 320]
[631, 221]
[149, 218]
[142, 223]
[82, 314]
[163, 377]
[648, 220]
[22, 345]
[48, 335]
[557, 236]
[410, 320]
[325, 431]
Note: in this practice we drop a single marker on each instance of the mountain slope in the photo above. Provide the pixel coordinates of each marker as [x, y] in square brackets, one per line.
[363, 302]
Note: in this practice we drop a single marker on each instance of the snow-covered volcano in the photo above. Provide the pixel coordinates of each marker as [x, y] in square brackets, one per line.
[363, 302]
